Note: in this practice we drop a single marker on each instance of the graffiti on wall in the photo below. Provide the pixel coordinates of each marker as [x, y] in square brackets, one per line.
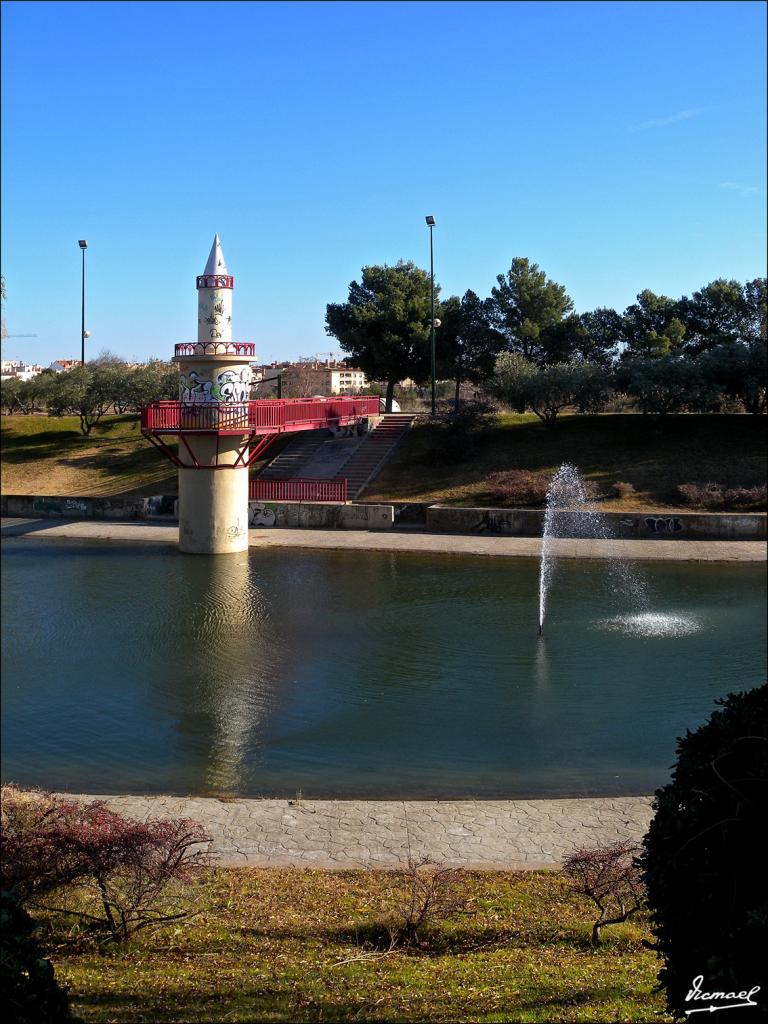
[663, 524]
[232, 385]
[160, 505]
[229, 386]
[194, 389]
[260, 515]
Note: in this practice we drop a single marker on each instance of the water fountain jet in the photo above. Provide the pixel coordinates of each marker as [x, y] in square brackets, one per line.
[569, 512]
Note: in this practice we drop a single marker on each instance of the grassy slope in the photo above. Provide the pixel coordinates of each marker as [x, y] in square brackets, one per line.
[266, 946]
[42, 455]
[50, 456]
[725, 449]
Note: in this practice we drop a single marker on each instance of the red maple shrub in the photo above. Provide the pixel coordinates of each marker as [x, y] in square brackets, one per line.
[518, 487]
[610, 877]
[51, 846]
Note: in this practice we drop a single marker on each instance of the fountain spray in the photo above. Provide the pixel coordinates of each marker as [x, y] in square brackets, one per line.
[569, 513]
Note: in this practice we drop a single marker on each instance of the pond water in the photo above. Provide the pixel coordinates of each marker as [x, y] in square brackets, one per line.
[349, 674]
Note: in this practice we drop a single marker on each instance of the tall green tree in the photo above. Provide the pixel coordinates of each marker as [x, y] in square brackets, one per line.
[601, 336]
[651, 327]
[384, 326]
[717, 314]
[741, 371]
[466, 344]
[756, 322]
[151, 382]
[87, 392]
[524, 305]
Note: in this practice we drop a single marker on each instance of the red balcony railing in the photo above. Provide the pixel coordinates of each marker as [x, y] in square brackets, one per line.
[216, 348]
[264, 416]
[298, 490]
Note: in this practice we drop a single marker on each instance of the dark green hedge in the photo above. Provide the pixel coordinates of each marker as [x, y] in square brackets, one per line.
[705, 858]
[28, 989]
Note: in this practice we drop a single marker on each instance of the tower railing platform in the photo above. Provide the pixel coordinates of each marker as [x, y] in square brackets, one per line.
[215, 348]
[264, 416]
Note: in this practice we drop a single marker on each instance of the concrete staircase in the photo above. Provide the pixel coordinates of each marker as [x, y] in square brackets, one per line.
[296, 455]
[376, 449]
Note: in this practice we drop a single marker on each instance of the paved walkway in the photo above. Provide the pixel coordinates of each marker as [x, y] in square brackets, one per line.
[394, 540]
[499, 834]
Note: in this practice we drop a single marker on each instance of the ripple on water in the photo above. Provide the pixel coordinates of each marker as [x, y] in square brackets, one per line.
[652, 624]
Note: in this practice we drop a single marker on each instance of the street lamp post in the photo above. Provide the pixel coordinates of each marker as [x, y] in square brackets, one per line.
[83, 246]
[431, 222]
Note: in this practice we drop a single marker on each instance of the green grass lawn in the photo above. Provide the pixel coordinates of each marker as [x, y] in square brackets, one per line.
[729, 450]
[266, 945]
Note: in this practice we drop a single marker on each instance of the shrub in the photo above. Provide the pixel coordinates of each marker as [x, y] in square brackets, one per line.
[462, 431]
[28, 988]
[518, 486]
[610, 878]
[547, 390]
[704, 854]
[716, 496]
[422, 893]
[661, 386]
[622, 489]
[51, 846]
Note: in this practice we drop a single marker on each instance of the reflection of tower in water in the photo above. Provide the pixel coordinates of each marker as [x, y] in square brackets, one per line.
[232, 657]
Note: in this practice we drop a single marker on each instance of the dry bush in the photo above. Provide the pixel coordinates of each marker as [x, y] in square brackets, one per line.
[622, 489]
[422, 893]
[716, 496]
[610, 877]
[518, 486]
[134, 868]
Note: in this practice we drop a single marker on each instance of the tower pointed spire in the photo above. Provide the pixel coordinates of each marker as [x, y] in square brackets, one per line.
[216, 263]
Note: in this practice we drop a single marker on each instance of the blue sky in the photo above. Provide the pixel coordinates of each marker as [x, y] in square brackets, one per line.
[620, 146]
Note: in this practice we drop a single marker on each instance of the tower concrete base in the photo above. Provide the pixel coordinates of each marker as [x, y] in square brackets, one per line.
[213, 511]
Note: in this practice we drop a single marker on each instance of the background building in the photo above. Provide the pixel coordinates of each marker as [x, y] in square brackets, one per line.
[310, 377]
[17, 368]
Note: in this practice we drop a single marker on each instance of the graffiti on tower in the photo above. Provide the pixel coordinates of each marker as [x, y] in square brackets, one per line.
[230, 386]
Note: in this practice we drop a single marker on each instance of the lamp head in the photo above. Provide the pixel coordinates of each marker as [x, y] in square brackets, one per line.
[430, 220]
[83, 244]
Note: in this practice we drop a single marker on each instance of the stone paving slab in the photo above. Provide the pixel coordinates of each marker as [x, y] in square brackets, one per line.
[487, 834]
[425, 543]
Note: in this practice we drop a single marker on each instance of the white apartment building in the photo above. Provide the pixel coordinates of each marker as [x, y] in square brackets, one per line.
[11, 368]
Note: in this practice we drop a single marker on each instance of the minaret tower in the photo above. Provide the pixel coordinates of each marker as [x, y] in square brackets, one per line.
[214, 384]
[221, 432]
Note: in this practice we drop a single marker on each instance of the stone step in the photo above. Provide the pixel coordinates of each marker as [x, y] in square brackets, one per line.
[299, 451]
[374, 452]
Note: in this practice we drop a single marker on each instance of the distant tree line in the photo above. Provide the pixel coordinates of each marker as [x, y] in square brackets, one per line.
[525, 344]
[106, 384]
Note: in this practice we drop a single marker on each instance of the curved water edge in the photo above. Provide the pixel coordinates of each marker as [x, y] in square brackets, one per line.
[359, 674]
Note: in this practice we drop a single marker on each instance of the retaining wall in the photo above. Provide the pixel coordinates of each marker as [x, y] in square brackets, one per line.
[307, 515]
[621, 525]
[434, 518]
[156, 507]
[320, 516]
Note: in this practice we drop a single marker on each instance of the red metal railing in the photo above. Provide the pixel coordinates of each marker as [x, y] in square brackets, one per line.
[278, 415]
[298, 490]
[215, 348]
